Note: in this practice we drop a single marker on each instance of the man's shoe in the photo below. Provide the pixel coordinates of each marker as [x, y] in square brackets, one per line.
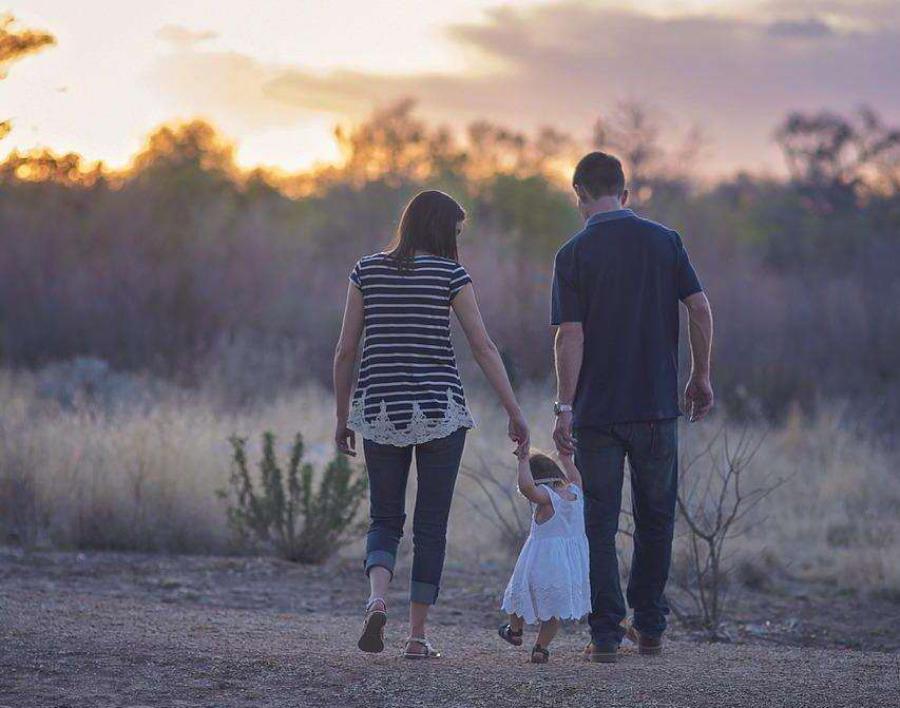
[602, 653]
[648, 646]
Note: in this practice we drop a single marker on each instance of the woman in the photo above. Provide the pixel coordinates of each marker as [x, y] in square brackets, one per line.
[409, 398]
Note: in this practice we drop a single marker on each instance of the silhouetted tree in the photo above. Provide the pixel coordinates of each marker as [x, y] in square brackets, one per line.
[634, 133]
[395, 145]
[835, 158]
[16, 43]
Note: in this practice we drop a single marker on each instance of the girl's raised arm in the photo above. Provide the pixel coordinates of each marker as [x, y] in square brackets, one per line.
[568, 464]
[529, 490]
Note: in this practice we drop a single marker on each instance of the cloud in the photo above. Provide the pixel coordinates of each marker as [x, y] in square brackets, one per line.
[565, 63]
[811, 28]
[182, 37]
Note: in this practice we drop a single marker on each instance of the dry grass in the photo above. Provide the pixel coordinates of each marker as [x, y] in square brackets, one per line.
[144, 475]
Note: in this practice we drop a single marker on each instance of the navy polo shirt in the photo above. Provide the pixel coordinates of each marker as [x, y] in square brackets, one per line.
[622, 277]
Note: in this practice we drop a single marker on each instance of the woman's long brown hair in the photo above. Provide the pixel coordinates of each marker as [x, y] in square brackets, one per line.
[428, 225]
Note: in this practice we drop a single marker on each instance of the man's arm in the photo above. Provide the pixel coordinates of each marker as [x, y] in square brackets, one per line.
[698, 394]
[569, 354]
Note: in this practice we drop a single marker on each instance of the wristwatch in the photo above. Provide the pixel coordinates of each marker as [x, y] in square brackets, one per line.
[561, 408]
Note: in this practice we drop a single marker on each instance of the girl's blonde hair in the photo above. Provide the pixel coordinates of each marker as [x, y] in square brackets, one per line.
[544, 469]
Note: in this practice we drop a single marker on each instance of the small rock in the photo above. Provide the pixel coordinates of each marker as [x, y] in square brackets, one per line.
[757, 630]
[792, 623]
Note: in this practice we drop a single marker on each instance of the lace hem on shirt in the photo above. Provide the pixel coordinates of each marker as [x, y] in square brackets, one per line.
[421, 428]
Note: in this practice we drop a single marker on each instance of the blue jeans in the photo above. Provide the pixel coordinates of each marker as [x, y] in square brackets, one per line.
[437, 465]
[652, 452]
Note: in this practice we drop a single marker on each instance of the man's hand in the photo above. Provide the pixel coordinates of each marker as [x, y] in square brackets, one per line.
[569, 348]
[345, 439]
[698, 397]
[562, 434]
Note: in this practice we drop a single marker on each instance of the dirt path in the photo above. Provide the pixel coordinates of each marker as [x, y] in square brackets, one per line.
[113, 630]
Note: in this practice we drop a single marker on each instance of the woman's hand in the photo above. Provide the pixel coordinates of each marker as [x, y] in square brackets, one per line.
[345, 439]
[518, 433]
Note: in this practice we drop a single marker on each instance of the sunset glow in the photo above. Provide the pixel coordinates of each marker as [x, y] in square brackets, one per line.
[278, 79]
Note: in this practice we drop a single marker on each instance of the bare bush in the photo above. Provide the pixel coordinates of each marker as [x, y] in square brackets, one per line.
[302, 523]
[714, 507]
[19, 522]
[499, 503]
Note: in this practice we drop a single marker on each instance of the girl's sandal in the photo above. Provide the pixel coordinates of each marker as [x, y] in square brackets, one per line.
[372, 639]
[539, 655]
[508, 635]
[429, 652]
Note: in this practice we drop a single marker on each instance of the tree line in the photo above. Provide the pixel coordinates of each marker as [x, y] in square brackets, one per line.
[185, 265]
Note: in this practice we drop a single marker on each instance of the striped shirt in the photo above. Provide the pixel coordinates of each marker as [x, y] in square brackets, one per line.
[409, 390]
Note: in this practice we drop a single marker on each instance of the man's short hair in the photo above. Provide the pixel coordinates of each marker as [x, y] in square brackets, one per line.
[600, 174]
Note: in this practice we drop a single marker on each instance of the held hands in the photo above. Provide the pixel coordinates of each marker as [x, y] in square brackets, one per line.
[698, 397]
[522, 453]
[519, 434]
[345, 439]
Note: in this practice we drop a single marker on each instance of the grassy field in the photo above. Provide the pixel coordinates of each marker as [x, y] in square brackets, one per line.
[132, 465]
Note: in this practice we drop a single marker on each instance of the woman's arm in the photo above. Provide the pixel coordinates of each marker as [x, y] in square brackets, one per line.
[485, 352]
[527, 487]
[344, 359]
[568, 464]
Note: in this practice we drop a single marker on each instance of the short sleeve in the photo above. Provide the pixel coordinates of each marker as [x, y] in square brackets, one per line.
[564, 304]
[356, 276]
[688, 282]
[459, 278]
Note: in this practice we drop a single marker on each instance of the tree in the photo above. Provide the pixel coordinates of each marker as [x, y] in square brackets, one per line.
[194, 145]
[43, 165]
[834, 158]
[16, 43]
[395, 145]
[633, 133]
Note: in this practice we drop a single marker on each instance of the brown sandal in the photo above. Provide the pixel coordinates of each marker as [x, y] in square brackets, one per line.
[539, 655]
[372, 639]
[508, 635]
[429, 653]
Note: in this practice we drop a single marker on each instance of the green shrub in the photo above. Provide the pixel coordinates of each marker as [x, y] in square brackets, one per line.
[286, 512]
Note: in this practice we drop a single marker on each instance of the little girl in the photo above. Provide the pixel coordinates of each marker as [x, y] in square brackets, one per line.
[550, 581]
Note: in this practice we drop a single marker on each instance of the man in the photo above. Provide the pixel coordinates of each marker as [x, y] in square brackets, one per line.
[616, 289]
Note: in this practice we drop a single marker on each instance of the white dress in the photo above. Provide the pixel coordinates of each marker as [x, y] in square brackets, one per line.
[551, 576]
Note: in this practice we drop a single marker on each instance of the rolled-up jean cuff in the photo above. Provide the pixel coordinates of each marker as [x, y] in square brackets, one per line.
[425, 593]
[380, 559]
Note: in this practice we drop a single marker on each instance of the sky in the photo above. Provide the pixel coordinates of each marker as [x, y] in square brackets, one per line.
[278, 76]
